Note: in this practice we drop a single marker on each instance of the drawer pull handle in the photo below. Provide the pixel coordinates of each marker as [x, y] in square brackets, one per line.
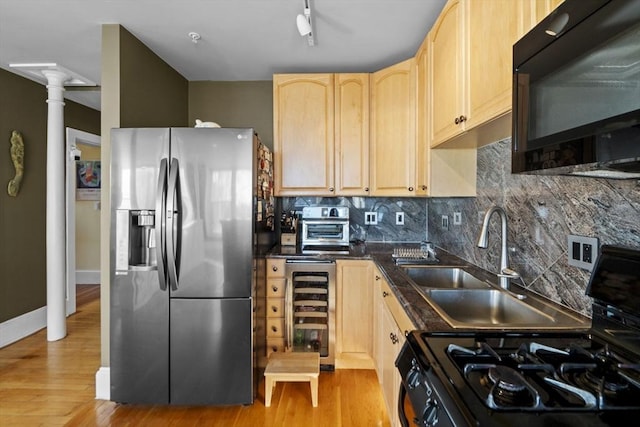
[274, 308]
[377, 277]
[385, 294]
[275, 289]
[274, 329]
[274, 268]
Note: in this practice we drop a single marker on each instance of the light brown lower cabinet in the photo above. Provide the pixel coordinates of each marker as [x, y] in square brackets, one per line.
[391, 323]
[354, 312]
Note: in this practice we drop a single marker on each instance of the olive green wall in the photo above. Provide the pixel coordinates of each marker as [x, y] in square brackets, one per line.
[23, 218]
[152, 94]
[234, 104]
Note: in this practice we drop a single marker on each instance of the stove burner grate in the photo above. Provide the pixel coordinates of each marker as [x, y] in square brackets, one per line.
[507, 388]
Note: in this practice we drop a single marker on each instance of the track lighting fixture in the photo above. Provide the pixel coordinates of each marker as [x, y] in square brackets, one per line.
[303, 21]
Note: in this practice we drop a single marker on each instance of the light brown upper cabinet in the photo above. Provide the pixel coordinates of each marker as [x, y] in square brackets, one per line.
[303, 112]
[423, 120]
[471, 67]
[393, 130]
[352, 134]
[321, 134]
[447, 78]
[440, 172]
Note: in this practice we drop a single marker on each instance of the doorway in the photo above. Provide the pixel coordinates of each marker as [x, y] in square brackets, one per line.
[83, 218]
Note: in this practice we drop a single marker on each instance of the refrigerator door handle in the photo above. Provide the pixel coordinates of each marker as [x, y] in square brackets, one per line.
[174, 224]
[160, 225]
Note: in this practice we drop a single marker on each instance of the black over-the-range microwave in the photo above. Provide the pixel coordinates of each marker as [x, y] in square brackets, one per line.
[576, 92]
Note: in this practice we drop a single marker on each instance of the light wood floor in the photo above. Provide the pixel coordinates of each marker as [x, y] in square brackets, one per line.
[53, 384]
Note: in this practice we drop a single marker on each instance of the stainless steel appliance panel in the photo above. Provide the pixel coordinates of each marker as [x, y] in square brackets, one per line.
[576, 98]
[139, 325]
[136, 155]
[185, 215]
[213, 230]
[211, 351]
[139, 307]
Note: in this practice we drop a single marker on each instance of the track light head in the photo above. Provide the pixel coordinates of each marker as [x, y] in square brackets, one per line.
[303, 22]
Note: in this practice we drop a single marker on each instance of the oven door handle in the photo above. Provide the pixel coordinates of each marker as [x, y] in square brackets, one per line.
[402, 416]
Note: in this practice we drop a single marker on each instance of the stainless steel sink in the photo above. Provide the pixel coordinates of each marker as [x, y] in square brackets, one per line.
[481, 307]
[465, 301]
[443, 277]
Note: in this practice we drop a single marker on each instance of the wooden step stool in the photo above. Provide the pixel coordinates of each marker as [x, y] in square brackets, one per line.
[293, 367]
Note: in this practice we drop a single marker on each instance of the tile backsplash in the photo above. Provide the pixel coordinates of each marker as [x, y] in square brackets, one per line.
[413, 230]
[542, 212]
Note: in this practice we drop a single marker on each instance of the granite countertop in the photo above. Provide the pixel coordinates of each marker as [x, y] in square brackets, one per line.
[419, 311]
[423, 316]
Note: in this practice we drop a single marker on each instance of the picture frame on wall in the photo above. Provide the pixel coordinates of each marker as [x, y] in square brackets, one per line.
[88, 179]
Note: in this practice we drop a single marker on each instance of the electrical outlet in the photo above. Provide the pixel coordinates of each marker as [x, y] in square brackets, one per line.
[457, 218]
[582, 251]
[445, 222]
[399, 218]
[370, 218]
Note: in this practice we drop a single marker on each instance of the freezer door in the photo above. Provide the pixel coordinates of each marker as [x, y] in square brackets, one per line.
[211, 352]
[139, 307]
[214, 210]
[139, 328]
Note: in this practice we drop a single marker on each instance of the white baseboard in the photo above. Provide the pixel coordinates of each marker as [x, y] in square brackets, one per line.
[103, 383]
[88, 277]
[24, 325]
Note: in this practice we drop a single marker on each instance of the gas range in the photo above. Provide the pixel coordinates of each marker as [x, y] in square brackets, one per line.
[524, 378]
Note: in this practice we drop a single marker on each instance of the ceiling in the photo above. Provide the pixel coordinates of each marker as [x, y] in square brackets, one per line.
[240, 39]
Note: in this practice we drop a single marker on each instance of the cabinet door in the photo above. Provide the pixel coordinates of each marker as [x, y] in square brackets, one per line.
[378, 324]
[354, 339]
[447, 73]
[351, 134]
[423, 122]
[489, 55]
[303, 132]
[392, 343]
[393, 130]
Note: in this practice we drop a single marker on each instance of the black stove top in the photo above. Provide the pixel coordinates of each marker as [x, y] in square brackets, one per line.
[524, 378]
[544, 373]
[528, 379]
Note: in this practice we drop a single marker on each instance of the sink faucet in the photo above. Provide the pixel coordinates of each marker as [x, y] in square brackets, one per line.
[505, 272]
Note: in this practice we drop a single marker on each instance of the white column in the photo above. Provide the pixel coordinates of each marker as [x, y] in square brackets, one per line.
[56, 221]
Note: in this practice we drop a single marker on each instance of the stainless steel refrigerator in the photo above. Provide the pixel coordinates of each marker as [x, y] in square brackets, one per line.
[191, 219]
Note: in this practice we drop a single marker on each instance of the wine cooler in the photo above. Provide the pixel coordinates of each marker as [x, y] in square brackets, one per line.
[310, 308]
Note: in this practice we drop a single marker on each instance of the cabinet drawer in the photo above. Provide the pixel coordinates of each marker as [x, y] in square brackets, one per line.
[275, 345]
[275, 307]
[275, 288]
[275, 267]
[275, 327]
